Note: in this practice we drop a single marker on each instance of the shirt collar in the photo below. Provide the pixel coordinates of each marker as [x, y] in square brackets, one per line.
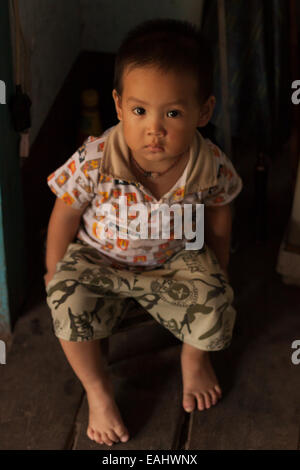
[202, 170]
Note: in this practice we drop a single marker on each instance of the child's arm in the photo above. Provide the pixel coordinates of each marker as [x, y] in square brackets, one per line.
[217, 232]
[62, 228]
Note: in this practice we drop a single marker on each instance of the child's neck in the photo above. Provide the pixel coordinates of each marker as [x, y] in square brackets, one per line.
[162, 184]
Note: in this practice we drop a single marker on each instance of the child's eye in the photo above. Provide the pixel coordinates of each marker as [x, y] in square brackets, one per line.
[174, 113]
[139, 111]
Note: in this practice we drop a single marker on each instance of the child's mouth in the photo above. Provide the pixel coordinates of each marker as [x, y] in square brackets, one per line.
[154, 148]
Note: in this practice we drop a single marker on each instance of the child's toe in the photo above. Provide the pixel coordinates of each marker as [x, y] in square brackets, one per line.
[107, 440]
[124, 437]
[214, 396]
[201, 402]
[113, 436]
[122, 433]
[188, 402]
[207, 399]
[97, 438]
[218, 390]
[90, 433]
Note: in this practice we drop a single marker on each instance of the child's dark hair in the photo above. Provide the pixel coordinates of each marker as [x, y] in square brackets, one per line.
[170, 45]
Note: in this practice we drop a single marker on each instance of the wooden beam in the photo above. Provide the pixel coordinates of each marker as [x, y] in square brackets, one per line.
[224, 75]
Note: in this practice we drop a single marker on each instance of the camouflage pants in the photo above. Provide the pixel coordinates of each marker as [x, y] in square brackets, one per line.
[189, 295]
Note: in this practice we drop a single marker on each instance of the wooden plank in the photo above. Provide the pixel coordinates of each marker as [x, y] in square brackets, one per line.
[294, 227]
[260, 408]
[148, 393]
[224, 76]
[39, 393]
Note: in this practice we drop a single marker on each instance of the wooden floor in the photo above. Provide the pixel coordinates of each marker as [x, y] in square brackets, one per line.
[43, 405]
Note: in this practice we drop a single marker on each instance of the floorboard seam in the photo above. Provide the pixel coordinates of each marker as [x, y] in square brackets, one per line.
[182, 431]
[189, 431]
[71, 441]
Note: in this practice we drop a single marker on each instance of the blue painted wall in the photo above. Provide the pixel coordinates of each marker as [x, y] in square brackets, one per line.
[4, 304]
[12, 256]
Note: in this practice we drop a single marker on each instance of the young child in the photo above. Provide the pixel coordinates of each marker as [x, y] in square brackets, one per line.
[155, 155]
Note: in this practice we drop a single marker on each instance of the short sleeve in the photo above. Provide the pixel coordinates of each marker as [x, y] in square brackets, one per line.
[229, 182]
[75, 181]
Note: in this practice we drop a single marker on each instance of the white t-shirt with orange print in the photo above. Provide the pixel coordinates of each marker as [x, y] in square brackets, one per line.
[99, 173]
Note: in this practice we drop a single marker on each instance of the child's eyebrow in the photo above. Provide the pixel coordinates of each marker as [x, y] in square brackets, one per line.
[179, 102]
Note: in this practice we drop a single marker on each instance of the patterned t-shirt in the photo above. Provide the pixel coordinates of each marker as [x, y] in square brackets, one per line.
[99, 173]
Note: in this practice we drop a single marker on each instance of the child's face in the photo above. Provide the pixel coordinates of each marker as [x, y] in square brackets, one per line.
[160, 112]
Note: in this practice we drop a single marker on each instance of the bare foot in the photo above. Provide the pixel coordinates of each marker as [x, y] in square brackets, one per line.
[105, 423]
[200, 384]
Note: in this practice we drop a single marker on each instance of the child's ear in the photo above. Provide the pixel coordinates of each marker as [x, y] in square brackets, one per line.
[118, 104]
[206, 111]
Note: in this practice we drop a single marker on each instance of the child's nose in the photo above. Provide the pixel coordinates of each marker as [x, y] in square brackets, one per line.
[155, 127]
